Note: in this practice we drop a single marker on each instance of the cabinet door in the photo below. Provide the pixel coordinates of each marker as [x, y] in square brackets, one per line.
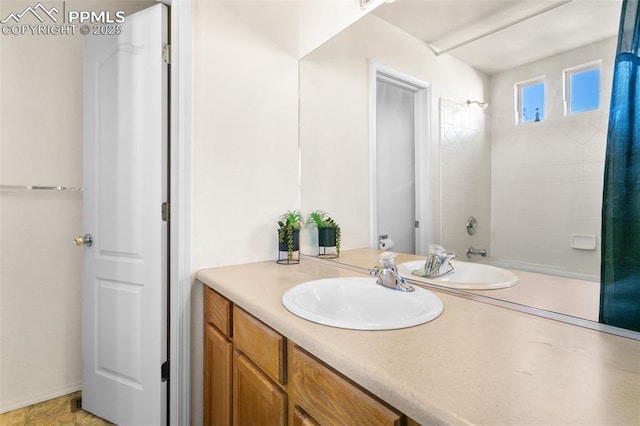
[330, 399]
[217, 378]
[256, 399]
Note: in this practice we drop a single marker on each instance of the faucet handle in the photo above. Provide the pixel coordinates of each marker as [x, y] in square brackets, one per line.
[387, 258]
[436, 249]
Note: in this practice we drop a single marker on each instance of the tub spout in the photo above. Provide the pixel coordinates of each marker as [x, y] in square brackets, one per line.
[471, 251]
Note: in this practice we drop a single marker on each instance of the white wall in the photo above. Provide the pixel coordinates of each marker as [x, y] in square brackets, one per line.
[245, 128]
[40, 144]
[334, 118]
[245, 140]
[547, 176]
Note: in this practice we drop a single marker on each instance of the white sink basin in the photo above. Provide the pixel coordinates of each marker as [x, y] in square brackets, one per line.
[359, 303]
[465, 275]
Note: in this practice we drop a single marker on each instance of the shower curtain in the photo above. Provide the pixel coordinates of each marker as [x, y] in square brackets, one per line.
[620, 270]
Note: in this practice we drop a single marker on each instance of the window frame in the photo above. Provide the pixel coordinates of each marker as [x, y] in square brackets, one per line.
[518, 88]
[567, 73]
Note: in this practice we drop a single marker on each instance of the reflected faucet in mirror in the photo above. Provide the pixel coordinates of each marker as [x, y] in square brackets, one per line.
[438, 263]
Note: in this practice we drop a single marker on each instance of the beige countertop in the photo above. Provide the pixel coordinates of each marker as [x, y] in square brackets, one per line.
[475, 364]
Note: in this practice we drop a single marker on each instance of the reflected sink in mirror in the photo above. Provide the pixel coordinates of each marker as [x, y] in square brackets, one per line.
[359, 303]
[465, 275]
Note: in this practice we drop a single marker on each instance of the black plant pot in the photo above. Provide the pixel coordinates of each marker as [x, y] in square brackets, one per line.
[327, 237]
[283, 245]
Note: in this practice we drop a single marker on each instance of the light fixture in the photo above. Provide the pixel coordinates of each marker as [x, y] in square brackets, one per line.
[482, 105]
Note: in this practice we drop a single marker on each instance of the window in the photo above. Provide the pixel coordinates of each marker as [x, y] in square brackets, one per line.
[530, 101]
[582, 88]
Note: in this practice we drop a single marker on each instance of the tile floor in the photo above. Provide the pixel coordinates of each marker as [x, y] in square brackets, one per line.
[55, 412]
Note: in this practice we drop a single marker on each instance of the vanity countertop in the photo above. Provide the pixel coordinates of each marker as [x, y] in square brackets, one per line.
[475, 364]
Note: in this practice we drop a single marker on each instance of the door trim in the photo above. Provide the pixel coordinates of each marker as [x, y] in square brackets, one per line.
[180, 230]
[422, 104]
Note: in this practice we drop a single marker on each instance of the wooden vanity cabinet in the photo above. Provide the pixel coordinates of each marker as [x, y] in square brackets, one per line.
[253, 376]
[218, 352]
[244, 367]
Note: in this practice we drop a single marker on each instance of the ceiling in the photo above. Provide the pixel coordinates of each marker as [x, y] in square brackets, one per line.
[496, 35]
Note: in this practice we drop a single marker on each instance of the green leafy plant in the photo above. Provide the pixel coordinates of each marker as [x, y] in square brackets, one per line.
[290, 221]
[321, 219]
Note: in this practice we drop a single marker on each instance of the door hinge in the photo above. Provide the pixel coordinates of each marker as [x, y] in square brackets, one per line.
[166, 212]
[166, 54]
[164, 371]
[416, 224]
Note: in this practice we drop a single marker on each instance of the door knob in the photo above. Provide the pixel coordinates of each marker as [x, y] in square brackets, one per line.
[87, 240]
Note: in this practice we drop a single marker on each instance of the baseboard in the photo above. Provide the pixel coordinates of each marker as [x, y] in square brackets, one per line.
[16, 403]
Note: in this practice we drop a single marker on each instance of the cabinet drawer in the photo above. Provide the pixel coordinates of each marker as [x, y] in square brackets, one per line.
[217, 311]
[330, 399]
[261, 344]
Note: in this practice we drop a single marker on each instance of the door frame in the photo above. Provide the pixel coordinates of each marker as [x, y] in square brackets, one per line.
[422, 140]
[180, 264]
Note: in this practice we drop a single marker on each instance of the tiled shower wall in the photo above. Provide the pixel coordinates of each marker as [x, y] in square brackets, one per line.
[547, 176]
[465, 176]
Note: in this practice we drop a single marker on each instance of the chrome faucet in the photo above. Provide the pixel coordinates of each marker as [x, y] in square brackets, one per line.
[437, 264]
[471, 251]
[388, 275]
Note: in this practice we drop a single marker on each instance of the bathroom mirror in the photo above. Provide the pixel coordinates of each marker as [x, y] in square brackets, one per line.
[533, 184]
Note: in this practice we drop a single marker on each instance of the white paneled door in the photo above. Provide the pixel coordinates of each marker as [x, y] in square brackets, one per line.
[395, 153]
[124, 310]
[401, 178]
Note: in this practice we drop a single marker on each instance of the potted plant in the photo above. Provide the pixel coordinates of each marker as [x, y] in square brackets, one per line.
[289, 232]
[328, 229]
